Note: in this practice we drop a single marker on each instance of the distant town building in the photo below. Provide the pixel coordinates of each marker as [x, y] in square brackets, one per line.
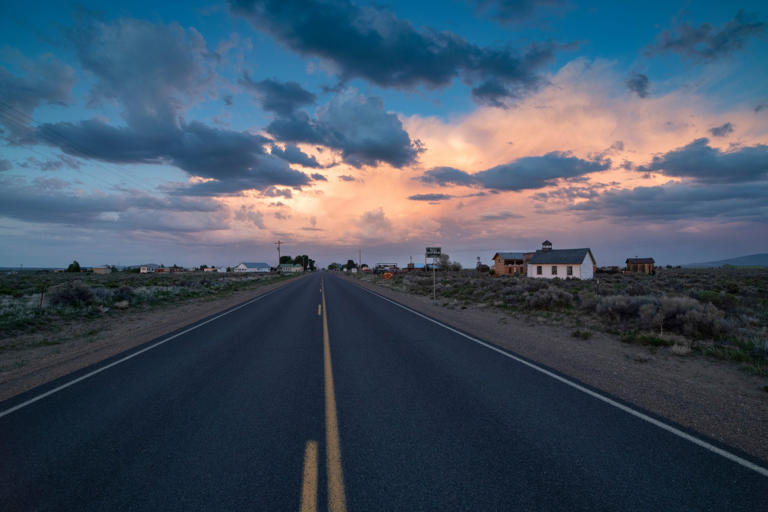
[549, 263]
[102, 270]
[252, 267]
[511, 263]
[146, 269]
[644, 265]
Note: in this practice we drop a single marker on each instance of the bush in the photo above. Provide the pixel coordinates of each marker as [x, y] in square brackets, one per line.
[549, 298]
[72, 296]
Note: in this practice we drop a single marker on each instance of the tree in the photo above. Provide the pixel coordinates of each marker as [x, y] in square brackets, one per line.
[351, 264]
[286, 260]
[334, 266]
[74, 267]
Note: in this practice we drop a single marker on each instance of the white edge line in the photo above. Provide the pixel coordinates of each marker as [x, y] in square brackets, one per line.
[653, 421]
[126, 358]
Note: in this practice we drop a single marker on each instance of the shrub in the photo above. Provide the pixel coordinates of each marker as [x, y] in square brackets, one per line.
[549, 298]
[71, 296]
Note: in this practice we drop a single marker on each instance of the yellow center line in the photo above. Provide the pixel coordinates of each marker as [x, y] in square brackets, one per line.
[337, 501]
[309, 480]
[319, 309]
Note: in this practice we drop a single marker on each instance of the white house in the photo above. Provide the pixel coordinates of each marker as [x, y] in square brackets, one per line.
[550, 263]
[289, 268]
[252, 267]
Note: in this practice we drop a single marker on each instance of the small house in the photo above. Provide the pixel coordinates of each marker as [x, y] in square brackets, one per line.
[147, 269]
[102, 270]
[549, 263]
[290, 267]
[511, 262]
[644, 265]
[252, 267]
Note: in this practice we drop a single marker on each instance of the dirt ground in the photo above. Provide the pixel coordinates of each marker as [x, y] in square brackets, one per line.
[90, 342]
[713, 397]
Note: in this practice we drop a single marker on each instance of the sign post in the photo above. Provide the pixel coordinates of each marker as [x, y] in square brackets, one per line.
[434, 253]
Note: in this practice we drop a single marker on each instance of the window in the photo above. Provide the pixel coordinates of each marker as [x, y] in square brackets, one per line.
[569, 270]
[538, 270]
[554, 270]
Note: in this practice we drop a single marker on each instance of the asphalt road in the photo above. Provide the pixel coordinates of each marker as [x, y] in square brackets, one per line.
[361, 405]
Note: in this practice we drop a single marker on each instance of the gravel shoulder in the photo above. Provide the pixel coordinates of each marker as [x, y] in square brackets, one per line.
[713, 397]
[84, 344]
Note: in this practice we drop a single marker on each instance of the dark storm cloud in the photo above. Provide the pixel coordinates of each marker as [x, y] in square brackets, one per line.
[707, 164]
[235, 159]
[282, 98]
[430, 197]
[707, 42]
[722, 130]
[638, 83]
[294, 155]
[45, 81]
[522, 174]
[370, 43]
[674, 201]
[361, 128]
[507, 11]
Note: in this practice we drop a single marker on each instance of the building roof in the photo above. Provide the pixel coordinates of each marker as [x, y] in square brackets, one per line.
[640, 260]
[257, 264]
[562, 256]
[510, 255]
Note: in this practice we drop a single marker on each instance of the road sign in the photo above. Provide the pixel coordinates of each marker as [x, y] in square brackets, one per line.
[433, 252]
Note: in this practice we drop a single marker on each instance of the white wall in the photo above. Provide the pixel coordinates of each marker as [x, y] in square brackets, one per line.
[586, 268]
[579, 271]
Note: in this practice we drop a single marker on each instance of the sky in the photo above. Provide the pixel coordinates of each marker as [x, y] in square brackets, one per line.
[202, 132]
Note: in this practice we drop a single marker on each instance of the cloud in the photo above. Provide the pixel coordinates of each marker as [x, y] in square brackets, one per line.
[52, 201]
[318, 177]
[45, 81]
[501, 216]
[360, 127]
[705, 41]
[282, 98]
[444, 176]
[277, 192]
[346, 177]
[508, 11]
[525, 173]
[430, 197]
[638, 83]
[236, 160]
[248, 214]
[5, 165]
[294, 155]
[722, 130]
[374, 224]
[373, 44]
[711, 165]
[152, 70]
[62, 161]
[675, 201]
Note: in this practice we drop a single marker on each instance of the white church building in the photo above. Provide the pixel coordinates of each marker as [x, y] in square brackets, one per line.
[549, 263]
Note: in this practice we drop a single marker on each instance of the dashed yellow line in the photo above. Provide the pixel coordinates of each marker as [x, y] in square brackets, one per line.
[337, 501]
[309, 480]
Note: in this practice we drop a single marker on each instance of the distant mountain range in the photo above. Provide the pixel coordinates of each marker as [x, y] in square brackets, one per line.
[754, 260]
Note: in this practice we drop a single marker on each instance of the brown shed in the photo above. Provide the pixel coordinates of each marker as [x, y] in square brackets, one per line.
[644, 265]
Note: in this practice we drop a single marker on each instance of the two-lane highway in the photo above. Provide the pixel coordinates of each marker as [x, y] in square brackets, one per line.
[341, 400]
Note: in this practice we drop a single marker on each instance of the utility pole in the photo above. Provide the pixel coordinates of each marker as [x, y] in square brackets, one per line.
[359, 258]
[278, 253]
